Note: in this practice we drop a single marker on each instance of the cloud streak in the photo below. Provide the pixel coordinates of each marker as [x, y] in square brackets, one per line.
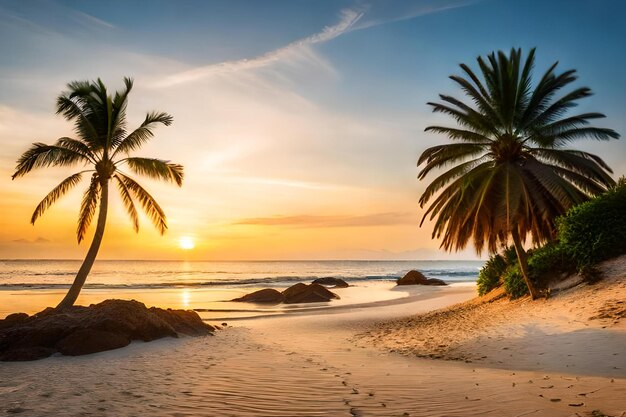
[300, 47]
[38, 240]
[350, 20]
[384, 12]
[306, 221]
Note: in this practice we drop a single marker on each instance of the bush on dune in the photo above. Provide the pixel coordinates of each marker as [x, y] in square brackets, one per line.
[502, 270]
[595, 230]
[492, 273]
[514, 283]
[547, 260]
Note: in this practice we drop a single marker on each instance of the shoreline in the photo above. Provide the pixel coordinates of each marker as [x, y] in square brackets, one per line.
[211, 302]
[304, 364]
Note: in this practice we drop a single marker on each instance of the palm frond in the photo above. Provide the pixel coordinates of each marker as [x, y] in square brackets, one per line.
[40, 155]
[157, 169]
[472, 120]
[56, 193]
[143, 133]
[119, 104]
[459, 134]
[73, 107]
[451, 174]
[88, 207]
[580, 162]
[129, 204]
[76, 146]
[148, 203]
[442, 155]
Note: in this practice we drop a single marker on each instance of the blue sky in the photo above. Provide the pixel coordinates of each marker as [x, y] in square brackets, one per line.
[283, 109]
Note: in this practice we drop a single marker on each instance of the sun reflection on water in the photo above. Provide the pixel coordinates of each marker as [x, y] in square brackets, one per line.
[185, 298]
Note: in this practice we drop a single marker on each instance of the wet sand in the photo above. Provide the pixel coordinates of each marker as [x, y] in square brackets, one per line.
[303, 364]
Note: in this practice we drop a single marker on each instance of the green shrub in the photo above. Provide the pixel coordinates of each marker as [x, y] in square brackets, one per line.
[510, 255]
[552, 258]
[490, 275]
[514, 283]
[595, 230]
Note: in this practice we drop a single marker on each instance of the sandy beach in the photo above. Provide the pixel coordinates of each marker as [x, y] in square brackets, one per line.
[356, 360]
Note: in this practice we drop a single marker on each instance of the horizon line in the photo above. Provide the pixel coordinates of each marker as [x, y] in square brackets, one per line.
[244, 260]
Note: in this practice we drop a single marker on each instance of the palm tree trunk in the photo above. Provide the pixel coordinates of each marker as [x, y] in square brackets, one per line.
[522, 257]
[81, 276]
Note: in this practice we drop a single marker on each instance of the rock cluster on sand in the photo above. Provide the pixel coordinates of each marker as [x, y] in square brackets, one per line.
[417, 278]
[298, 293]
[79, 330]
[264, 296]
[331, 282]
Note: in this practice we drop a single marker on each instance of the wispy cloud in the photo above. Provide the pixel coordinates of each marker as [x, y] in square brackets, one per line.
[38, 240]
[357, 18]
[300, 47]
[380, 13]
[92, 20]
[305, 220]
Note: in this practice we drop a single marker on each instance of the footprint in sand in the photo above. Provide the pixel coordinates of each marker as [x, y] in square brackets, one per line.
[355, 412]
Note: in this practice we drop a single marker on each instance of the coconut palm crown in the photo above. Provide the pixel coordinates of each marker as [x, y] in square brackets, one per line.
[508, 173]
[101, 146]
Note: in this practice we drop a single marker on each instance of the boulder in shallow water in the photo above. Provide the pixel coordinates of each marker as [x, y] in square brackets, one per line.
[312, 293]
[298, 293]
[331, 282]
[80, 330]
[434, 281]
[417, 278]
[265, 296]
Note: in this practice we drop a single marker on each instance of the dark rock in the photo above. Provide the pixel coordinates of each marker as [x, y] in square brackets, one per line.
[12, 319]
[412, 278]
[303, 293]
[295, 290]
[298, 293]
[26, 353]
[435, 281]
[417, 278]
[331, 282]
[265, 296]
[86, 341]
[185, 322]
[80, 330]
[15, 317]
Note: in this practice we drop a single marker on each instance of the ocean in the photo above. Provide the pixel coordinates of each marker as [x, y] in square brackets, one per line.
[209, 286]
[108, 274]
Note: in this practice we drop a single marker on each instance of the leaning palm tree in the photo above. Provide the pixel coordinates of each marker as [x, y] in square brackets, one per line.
[512, 174]
[102, 147]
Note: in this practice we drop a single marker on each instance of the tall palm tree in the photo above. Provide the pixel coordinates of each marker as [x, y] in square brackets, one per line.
[102, 147]
[512, 174]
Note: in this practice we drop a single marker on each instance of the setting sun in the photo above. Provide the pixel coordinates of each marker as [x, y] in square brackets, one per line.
[186, 243]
